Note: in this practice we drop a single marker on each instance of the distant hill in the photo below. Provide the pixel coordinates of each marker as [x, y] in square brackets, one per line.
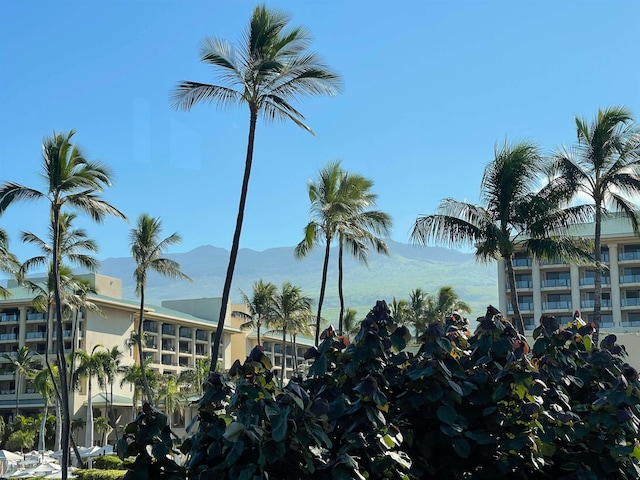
[407, 267]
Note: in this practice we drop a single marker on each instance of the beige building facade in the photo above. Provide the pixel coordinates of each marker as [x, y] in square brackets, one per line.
[560, 288]
[177, 334]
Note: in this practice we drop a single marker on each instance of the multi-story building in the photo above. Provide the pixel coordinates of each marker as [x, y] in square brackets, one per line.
[559, 288]
[177, 334]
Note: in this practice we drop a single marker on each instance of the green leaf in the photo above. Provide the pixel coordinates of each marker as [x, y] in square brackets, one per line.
[461, 447]
[159, 451]
[447, 414]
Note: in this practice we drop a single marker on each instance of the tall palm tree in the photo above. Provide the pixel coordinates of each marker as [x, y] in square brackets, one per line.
[77, 423]
[102, 426]
[350, 322]
[258, 304]
[147, 249]
[132, 374]
[22, 366]
[517, 216]
[90, 365]
[289, 307]
[8, 261]
[339, 203]
[75, 181]
[361, 229]
[417, 310]
[268, 69]
[604, 166]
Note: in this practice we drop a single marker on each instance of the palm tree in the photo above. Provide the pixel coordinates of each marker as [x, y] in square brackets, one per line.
[516, 216]
[339, 203]
[400, 311]
[417, 310]
[604, 166]
[194, 378]
[266, 71]
[8, 262]
[171, 395]
[102, 426]
[289, 308]
[111, 370]
[43, 383]
[361, 228]
[132, 374]
[90, 365]
[351, 323]
[22, 366]
[74, 181]
[77, 423]
[444, 303]
[147, 249]
[258, 304]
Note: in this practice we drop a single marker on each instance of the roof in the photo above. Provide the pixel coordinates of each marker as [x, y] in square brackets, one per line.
[118, 400]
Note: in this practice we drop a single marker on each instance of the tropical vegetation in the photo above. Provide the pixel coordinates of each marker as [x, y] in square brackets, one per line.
[604, 167]
[266, 71]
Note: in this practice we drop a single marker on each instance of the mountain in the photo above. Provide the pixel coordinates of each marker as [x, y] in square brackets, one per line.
[407, 267]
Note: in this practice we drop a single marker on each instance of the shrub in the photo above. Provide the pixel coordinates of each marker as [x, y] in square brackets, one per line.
[108, 462]
[474, 406]
[95, 474]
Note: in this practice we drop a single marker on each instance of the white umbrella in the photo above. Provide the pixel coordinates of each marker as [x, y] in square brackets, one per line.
[58, 474]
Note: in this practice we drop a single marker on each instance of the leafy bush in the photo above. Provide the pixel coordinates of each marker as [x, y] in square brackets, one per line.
[95, 474]
[471, 406]
[108, 462]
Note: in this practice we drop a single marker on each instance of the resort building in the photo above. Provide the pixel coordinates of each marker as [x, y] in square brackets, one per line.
[558, 288]
[177, 334]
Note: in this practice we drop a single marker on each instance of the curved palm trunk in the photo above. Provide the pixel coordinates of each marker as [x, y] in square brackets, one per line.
[258, 325]
[145, 382]
[340, 292]
[323, 284]
[62, 361]
[215, 348]
[43, 424]
[597, 254]
[58, 425]
[517, 316]
[88, 438]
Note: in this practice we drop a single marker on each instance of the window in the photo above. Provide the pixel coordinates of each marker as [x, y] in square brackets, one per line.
[557, 279]
[557, 301]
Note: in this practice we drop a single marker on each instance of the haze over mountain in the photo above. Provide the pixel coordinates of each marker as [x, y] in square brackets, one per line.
[407, 267]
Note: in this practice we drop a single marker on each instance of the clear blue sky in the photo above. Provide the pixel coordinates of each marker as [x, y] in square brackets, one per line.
[430, 88]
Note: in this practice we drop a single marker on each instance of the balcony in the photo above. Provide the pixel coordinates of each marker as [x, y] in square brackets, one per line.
[149, 326]
[150, 346]
[8, 392]
[592, 281]
[8, 336]
[555, 261]
[635, 255]
[521, 284]
[36, 335]
[524, 306]
[36, 316]
[522, 262]
[605, 303]
[168, 347]
[185, 332]
[630, 302]
[201, 351]
[9, 317]
[556, 282]
[201, 335]
[629, 278]
[560, 305]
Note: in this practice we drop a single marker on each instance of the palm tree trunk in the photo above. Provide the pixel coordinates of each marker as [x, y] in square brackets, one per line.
[43, 425]
[517, 316]
[236, 240]
[145, 382]
[58, 425]
[295, 354]
[340, 292]
[323, 284]
[258, 325]
[62, 361]
[597, 255]
[88, 438]
[114, 424]
[284, 354]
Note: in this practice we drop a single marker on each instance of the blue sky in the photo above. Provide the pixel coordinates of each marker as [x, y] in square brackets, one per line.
[430, 88]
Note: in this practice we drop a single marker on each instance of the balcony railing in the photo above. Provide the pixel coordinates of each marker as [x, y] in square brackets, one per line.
[200, 335]
[557, 282]
[527, 306]
[605, 302]
[520, 284]
[148, 326]
[168, 330]
[8, 336]
[561, 305]
[8, 392]
[34, 335]
[592, 281]
[629, 278]
[185, 350]
[9, 317]
[36, 316]
[168, 348]
[521, 262]
[630, 302]
[631, 323]
[629, 255]
[185, 333]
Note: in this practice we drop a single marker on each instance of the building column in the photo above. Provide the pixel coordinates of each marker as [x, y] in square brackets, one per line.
[614, 272]
[502, 287]
[574, 273]
[536, 283]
